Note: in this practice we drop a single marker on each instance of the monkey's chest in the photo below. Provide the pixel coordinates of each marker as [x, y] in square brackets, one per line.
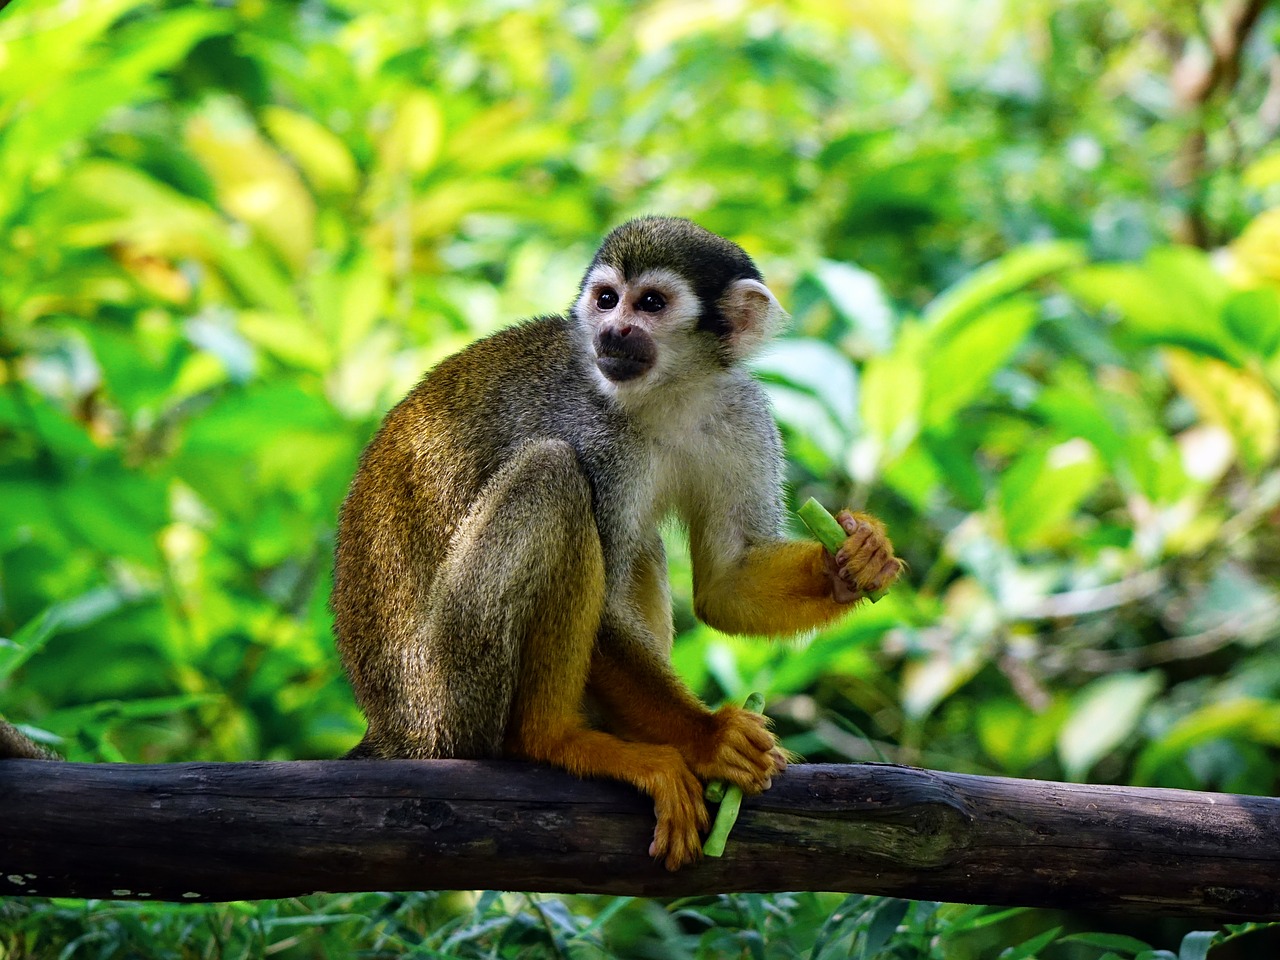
[679, 476]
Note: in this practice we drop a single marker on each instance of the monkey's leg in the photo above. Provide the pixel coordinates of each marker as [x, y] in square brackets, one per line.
[528, 572]
[641, 696]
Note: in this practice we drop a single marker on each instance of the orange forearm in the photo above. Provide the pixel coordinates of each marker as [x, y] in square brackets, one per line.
[777, 589]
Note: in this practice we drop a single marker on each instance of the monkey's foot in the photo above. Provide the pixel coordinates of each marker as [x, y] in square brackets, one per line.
[865, 563]
[682, 815]
[740, 751]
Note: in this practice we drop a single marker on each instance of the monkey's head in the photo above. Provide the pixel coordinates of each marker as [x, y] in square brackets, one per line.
[664, 298]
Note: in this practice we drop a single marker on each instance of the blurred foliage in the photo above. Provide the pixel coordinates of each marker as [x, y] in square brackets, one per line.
[1032, 252]
[527, 926]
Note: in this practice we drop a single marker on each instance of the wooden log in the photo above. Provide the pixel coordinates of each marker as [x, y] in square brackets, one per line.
[222, 831]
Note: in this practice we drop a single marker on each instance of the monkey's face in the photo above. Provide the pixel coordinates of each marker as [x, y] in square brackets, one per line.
[666, 301]
[638, 327]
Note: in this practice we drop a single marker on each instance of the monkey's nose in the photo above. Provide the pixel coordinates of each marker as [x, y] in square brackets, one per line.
[624, 352]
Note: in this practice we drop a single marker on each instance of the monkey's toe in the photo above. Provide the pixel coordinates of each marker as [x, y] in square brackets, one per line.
[742, 751]
[681, 815]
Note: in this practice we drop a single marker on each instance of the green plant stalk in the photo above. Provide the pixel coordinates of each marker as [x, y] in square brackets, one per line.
[828, 531]
[729, 796]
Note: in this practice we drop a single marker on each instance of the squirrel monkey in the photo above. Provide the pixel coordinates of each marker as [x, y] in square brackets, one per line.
[500, 578]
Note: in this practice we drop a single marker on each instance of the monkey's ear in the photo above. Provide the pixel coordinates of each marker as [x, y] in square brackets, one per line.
[753, 314]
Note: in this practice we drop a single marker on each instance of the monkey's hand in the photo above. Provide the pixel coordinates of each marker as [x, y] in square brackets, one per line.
[865, 563]
[739, 749]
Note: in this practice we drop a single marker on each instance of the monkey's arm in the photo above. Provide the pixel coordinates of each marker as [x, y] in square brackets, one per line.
[781, 587]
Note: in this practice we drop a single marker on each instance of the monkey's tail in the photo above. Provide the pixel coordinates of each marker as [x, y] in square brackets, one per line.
[16, 745]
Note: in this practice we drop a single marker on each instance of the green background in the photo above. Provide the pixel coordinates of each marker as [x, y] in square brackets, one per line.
[1032, 255]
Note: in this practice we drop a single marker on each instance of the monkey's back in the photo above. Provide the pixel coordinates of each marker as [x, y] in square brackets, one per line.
[425, 467]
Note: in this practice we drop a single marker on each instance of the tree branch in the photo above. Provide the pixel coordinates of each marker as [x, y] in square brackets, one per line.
[1195, 81]
[201, 831]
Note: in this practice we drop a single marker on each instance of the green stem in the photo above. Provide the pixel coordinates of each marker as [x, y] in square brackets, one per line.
[822, 525]
[828, 531]
[730, 797]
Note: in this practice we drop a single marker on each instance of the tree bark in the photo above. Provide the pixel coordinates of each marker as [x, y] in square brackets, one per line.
[209, 831]
[1194, 85]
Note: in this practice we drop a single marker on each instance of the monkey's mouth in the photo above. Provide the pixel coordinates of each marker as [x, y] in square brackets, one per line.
[625, 354]
[622, 369]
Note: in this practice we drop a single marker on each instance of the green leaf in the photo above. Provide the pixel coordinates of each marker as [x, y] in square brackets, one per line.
[68, 103]
[42, 50]
[28, 641]
[1173, 297]
[1116, 942]
[24, 412]
[287, 337]
[916, 476]
[1014, 735]
[1043, 488]
[1105, 714]
[998, 279]
[1247, 718]
[411, 142]
[116, 511]
[926, 683]
[1031, 947]
[1195, 945]
[103, 202]
[981, 919]
[958, 366]
[885, 919]
[816, 368]
[892, 396]
[112, 711]
[1253, 317]
[348, 300]
[319, 153]
[814, 439]
[860, 299]
[253, 181]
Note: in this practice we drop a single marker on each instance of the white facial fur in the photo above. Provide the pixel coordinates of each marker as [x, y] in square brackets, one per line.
[670, 327]
[751, 309]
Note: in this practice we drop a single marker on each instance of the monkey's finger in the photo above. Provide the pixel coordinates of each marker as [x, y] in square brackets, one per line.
[859, 548]
[881, 570]
[844, 592]
[743, 729]
[742, 756]
[755, 734]
[887, 573]
[748, 778]
[848, 521]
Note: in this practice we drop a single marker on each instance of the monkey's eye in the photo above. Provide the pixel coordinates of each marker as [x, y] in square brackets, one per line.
[607, 299]
[651, 302]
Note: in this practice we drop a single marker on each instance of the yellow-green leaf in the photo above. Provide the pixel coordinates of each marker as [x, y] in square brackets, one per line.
[321, 156]
[959, 365]
[1238, 400]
